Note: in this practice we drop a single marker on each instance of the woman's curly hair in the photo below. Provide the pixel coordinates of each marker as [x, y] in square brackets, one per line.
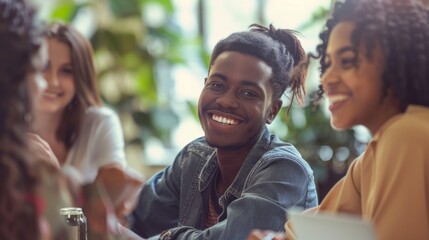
[401, 27]
[20, 39]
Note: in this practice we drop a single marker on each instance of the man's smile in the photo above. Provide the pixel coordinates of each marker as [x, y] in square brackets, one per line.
[223, 120]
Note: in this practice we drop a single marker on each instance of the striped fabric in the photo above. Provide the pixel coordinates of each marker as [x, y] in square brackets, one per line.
[214, 209]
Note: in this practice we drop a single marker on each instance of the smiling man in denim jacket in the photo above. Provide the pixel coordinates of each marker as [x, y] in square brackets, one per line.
[237, 177]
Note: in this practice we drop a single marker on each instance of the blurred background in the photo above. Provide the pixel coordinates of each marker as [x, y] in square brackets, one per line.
[152, 56]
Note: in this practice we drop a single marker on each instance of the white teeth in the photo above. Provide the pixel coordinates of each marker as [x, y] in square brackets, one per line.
[337, 98]
[50, 95]
[224, 120]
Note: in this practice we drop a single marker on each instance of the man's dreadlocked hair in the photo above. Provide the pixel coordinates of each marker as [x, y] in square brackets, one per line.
[401, 27]
[279, 48]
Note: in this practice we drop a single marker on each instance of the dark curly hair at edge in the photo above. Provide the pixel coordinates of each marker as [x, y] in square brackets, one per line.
[279, 48]
[401, 27]
[20, 39]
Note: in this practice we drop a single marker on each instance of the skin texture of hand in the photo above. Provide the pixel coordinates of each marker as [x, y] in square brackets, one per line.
[121, 186]
[99, 212]
[265, 235]
[45, 229]
[109, 199]
[40, 150]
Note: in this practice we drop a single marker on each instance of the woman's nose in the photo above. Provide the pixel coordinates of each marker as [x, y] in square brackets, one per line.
[330, 76]
[51, 78]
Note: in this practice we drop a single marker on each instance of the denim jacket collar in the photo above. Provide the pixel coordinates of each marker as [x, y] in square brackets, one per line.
[254, 155]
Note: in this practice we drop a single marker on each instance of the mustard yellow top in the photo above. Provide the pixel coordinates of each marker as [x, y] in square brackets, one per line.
[389, 183]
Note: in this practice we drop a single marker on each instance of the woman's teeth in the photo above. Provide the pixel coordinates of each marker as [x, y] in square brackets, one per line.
[337, 98]
[51, 95]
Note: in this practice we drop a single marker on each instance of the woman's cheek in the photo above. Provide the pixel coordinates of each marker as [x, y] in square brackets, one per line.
[36, 85]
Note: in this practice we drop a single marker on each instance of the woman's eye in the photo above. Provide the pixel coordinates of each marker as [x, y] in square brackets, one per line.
[68, 71]
[326, 65]
[348, 62]
[326, 61]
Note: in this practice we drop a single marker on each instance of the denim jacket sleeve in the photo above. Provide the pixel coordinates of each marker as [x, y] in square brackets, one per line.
[273, 185]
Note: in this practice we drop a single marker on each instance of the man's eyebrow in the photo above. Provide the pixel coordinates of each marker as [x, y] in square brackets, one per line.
[225, 78]
[249, 83]
[246, 83]
[218, 75]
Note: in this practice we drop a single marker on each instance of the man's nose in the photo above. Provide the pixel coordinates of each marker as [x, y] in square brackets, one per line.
[228, 100]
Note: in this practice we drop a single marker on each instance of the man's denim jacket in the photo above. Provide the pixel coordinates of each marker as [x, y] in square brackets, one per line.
[273, 178]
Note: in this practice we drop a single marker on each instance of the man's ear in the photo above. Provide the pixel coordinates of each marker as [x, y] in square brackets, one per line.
[274, 110]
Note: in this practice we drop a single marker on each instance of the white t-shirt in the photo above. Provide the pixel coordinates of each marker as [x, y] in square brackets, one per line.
[100, 142]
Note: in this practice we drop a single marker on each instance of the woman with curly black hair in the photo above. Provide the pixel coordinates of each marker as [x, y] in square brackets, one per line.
[374, 60]
[21, 81]
[20, 40]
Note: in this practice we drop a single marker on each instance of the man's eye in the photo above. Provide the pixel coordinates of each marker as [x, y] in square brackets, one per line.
[249, 94]
[215, 85]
